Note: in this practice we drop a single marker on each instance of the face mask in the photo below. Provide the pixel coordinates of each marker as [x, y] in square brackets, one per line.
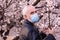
[34, 18]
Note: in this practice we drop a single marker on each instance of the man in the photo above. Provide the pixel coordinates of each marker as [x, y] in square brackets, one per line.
[29, 31]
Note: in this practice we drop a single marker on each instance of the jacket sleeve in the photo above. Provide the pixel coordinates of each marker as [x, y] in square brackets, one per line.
[50, 37]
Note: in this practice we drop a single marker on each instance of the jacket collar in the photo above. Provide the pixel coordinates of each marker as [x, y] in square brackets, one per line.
[29, 23]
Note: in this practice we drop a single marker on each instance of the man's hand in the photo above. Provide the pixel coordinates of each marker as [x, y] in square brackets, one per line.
[51, 31]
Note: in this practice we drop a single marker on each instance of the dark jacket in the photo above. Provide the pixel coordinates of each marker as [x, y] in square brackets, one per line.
[30, 32]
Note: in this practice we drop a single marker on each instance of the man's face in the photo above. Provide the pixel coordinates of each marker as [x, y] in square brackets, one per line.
[32, 17]
[31, 14]
[28, 15]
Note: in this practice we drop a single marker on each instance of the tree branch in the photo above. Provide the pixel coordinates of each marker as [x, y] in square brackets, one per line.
[7, 5]
[36, 2]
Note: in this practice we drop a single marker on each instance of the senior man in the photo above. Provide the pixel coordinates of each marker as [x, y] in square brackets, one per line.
[29, 30]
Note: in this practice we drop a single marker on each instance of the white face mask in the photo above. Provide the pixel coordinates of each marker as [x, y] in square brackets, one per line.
[34, 18]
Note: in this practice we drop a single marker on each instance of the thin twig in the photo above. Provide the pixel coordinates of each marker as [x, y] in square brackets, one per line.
[9, 4]
[36, 2]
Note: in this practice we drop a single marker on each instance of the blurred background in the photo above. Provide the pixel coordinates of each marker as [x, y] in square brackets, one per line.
[11, 18]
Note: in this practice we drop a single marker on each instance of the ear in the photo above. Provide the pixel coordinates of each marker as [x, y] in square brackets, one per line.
[36, 2]
[25, 17]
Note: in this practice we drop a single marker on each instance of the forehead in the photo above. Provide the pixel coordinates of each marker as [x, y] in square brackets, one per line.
[31, 8]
